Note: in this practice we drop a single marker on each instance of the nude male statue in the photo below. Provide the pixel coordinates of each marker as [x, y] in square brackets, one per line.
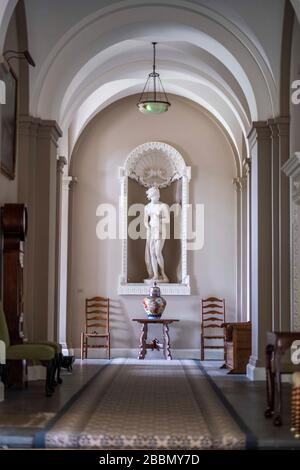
[156, 219]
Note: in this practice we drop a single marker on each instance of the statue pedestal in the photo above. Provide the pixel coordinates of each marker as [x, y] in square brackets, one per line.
[159, 281]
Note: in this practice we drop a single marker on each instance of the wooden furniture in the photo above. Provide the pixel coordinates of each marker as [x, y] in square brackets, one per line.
[237, 346]
[43, 353]
[96, 325]
[277, 344]
[212, 317]
[2, 367]
[295, 411]
[155, 344]
[14, 228]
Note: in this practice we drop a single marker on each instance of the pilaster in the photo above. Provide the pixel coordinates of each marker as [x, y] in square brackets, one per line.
[37, 189]
[261, 242]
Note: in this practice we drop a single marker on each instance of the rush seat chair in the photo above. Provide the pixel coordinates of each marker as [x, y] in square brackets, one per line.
[212, 319]
[96, 325]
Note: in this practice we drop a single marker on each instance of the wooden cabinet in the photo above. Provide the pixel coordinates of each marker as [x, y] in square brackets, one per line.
[14, 228]
[237, 346]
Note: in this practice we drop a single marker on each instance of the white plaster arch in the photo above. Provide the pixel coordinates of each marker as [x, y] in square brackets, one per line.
[232, 47]
[124, 66]
[110, 92]
[6, 10]
[296, 6]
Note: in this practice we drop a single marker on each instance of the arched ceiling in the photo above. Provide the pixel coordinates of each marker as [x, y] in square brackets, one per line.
[296, 6]
[91, 53]
[6, 10]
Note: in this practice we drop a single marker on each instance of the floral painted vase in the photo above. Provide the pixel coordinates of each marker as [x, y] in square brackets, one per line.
[154, 304]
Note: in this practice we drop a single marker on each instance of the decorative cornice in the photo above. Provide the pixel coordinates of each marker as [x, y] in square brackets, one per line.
[283, 126]
[279, 126]
[41, 128]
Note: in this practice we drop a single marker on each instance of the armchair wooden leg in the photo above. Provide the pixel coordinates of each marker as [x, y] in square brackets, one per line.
[50, 366]
[202, 349]
[270, 384]
[4, 374]
[57, 368]
[86, 347]
[81, 346]
[108, 347]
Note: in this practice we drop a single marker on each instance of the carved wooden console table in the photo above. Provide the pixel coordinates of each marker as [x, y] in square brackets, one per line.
[155, 344]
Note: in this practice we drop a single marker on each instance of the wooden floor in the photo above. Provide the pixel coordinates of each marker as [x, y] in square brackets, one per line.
[247, 398]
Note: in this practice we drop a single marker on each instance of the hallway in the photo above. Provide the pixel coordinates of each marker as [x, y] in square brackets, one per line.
[30, 411]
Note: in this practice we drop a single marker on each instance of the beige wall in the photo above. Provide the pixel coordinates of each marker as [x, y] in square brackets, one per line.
[95, 265]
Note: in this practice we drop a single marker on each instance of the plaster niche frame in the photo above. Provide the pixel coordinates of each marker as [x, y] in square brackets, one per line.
[149, 162]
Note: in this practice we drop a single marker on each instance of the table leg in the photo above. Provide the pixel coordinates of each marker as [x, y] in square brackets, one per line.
[167, 347]
[143, 338]
[269, 381]
[278, 391]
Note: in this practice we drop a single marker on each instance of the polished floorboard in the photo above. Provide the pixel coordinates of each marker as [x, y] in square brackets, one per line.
[248, 399]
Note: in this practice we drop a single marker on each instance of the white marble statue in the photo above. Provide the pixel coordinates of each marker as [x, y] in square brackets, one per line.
[156, 220]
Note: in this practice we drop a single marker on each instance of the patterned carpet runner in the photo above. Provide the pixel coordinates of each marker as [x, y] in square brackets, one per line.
[146, 405]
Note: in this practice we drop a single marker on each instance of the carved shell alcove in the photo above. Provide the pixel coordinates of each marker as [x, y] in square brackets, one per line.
[154, 164]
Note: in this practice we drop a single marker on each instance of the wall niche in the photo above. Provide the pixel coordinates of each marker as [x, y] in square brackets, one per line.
[160, 165]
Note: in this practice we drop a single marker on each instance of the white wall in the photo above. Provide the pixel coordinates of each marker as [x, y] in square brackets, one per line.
[95, 265]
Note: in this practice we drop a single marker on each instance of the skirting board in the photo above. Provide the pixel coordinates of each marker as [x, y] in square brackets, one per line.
[94, 353]
[39, 372]
[259, 374]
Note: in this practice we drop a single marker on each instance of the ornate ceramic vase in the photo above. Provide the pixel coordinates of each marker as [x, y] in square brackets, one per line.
[154, 304]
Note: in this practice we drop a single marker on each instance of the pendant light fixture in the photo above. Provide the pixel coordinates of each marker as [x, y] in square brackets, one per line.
[153, 99]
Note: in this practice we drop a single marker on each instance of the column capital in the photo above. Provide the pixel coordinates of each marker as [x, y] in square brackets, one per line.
[260, 131]
[61, 162]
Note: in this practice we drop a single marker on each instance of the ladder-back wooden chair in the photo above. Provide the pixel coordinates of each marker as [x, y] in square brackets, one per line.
[212, 317]
[96, 325]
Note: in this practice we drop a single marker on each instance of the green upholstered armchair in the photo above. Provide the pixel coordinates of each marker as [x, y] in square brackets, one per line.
[44, 353]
